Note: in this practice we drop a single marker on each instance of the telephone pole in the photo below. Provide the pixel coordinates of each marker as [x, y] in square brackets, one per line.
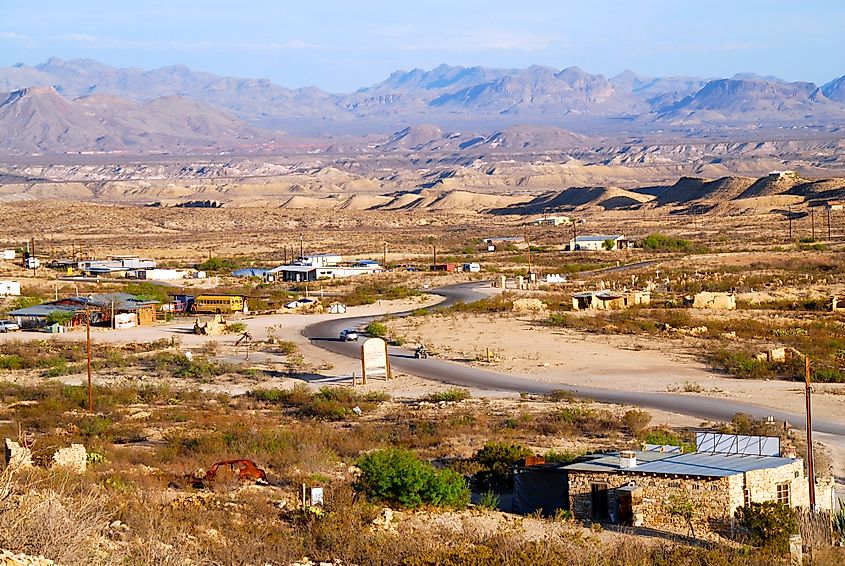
[790, 223]
[813, 224]
[528, 241]
[384, 257]
[811, 475]
[828, 224]
[88, 351]
[301, 246]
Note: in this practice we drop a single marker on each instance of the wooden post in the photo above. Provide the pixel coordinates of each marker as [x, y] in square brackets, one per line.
[387, 368]
[384, 257]
[811, 475]
[828, 223]
[363, 367]
[528, 241]
[88, 349]
[813, 223]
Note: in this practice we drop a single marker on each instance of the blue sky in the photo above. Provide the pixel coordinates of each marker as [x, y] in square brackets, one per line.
[344, 45]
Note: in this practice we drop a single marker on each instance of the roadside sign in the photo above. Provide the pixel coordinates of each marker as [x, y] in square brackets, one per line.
[374, 359]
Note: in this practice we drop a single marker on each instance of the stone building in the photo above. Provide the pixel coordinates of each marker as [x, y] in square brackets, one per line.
[714, 301]
[662, 488]
[609, 300]
[650, 489]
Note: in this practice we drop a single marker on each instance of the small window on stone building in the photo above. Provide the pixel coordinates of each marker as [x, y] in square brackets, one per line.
[746, 497]
[796, 473]
[783, 493]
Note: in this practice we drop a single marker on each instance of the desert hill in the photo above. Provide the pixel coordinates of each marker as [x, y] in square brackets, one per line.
[39, 119]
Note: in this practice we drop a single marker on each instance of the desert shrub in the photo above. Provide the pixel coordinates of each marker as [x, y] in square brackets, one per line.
[661, 436]
[561, 457]
[497, 460]
[26, 301]
[559, 395]
[219, 264]
[147, 291]
[453, 394]
[377, 329]
[399, 476]
[839, 522]
[286, 347]
[767, 525]
[60, 317]
[636, 421]
[663, 243]
[236, 328]
[489, 500]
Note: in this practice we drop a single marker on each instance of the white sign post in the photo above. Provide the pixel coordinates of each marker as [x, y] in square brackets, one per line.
[374, 359]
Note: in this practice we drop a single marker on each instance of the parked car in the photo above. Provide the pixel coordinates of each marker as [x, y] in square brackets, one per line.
[8, 325]
[300, 303]
[348, 335]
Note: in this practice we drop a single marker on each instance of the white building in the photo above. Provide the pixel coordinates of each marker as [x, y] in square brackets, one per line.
[597, 242]
[552, 221]
[10, 288]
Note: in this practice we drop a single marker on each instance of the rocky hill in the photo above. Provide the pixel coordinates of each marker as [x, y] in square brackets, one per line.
[466, 98]
[39, 119]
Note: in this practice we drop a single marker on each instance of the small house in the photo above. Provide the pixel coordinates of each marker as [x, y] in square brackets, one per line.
[649, 487]
[10, 288]
[552, 221]
[599, 242]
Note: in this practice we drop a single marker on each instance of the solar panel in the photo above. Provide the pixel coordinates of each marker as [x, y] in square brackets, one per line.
[718, 443]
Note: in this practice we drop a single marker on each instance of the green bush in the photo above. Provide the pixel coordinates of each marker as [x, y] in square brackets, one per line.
[489, 500]
[768, 525]
[663, 243]
[497, 460]
[453, 394]
[60, 317]
[219, 264]
[377, 329]
[398, 476]
[236, 328]
[662, 436]
[147, 291]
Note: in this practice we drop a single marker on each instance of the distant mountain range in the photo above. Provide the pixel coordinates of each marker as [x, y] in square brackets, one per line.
[84, 105]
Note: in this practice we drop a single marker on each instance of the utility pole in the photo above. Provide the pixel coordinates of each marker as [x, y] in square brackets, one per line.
[811, 475]
[813, 224]
[528, 241]
[384, 257]
[828, 224]
[88, 350]
[790, 223]
[301, 246]
[434, 249]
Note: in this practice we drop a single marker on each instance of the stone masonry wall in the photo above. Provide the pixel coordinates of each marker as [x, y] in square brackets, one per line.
[710, 499]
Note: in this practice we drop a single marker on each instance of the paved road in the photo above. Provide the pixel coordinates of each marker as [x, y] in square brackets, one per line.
[324, 335]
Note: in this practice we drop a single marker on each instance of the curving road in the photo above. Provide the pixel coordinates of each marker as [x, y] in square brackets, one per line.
[324, 335]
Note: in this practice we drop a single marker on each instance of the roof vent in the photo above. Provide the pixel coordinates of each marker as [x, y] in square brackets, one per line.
[627, 459]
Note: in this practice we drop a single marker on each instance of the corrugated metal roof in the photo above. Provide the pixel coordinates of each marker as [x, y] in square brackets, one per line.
[43, 311]
[692, 464]
[598, 238]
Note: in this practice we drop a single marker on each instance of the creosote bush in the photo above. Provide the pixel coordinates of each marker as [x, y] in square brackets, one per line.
[399, 476]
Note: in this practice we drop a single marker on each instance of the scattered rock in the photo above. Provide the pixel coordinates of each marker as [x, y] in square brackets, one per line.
[528, 306]
[385, 519]
[140, 415]
[17, 456]
[8, 558]
[73, 458]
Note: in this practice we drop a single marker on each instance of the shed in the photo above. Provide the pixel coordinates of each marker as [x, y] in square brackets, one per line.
[599, 242]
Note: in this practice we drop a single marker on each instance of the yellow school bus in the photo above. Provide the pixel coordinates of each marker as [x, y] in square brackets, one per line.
[217, 304]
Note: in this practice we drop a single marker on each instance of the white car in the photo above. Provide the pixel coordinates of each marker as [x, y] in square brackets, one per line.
[299, 303]
[348, 335]
[8, 325]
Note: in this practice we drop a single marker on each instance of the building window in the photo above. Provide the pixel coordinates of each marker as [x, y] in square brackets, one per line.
[783, 493]
[746, 497]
